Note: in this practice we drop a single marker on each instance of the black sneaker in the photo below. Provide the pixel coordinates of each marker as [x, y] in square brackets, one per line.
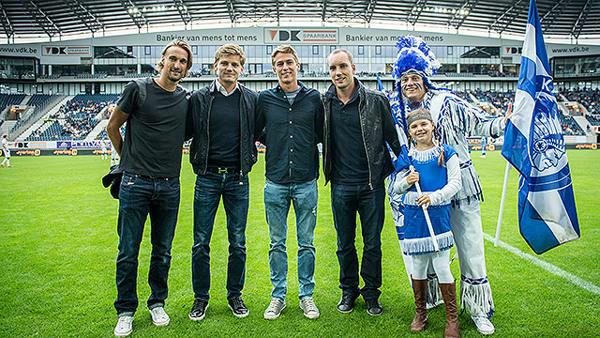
[199, 309]
[373, 307]
[346, 304]
[236, 304]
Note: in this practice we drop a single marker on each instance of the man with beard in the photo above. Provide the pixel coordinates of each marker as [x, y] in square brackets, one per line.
[154, 109]
[455, 119]
[222, 154]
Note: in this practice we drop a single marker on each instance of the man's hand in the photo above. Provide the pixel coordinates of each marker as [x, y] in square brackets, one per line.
[508, 113]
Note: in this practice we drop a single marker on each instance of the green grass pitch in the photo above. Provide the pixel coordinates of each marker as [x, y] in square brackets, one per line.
[58, 245]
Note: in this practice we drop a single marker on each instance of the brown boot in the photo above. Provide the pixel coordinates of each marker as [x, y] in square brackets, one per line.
[449, 295]
[420, 291]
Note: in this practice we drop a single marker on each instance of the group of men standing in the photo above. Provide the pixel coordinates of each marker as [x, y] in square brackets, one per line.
[224, 120]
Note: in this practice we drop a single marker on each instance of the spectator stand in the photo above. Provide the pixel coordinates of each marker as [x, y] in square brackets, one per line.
[39, 105]
[41, 121]
[74, 120]
[6, 102]
[493, 102]
[583, 106]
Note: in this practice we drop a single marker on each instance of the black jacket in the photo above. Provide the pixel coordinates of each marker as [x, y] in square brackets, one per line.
[199, 117]
[377, 125]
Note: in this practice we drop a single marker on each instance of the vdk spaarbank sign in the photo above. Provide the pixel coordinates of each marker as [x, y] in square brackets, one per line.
[67, 50]
[312, 36]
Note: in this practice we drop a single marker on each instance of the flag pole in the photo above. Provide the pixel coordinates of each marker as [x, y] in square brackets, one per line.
[501, 211]
[436, 247]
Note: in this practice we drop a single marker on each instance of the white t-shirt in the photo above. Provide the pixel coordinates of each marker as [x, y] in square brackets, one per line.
[5, 147]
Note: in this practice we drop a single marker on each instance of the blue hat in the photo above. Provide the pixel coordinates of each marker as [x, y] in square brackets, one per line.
[415, 56]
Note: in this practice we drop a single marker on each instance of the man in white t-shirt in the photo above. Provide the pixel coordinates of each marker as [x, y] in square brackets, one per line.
[6, 150]
[104, 149]
[114, 155]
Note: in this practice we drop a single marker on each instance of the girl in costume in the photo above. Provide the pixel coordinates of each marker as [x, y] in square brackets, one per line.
[455, 119]
[437, 170]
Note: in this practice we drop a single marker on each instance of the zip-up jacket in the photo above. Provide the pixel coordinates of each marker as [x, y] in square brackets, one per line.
[377, 128]
[199, 117]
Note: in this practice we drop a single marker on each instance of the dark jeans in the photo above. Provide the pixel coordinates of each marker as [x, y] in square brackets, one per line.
[208, 192]
[346, 201]
[138, 197]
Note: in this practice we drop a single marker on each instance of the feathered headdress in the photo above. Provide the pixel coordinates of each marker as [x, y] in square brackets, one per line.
[415, 56]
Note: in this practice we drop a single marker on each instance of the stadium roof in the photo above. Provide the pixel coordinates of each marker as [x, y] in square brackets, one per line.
[56, 18]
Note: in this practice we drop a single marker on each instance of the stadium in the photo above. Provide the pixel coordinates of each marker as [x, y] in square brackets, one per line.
[63, 63]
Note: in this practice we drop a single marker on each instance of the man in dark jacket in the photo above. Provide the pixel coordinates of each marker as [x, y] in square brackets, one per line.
[222, 153]
[358, 123]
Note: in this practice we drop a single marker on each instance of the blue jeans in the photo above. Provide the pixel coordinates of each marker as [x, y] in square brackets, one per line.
[346, 202]
[278, 197]
[138, 197]
[207, 194]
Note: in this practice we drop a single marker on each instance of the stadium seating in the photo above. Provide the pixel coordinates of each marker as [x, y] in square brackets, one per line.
[590, 99]
[77, 118]
[74, 120]
[499, 100]
[569, 126]
[39, 102]
[9, 100]
[104, 136]
[594, 119]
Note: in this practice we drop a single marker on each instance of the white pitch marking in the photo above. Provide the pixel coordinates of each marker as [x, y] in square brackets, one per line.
[553, 269]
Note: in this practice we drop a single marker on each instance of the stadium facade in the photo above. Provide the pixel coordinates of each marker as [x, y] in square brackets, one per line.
[103, 65]
[54, 94]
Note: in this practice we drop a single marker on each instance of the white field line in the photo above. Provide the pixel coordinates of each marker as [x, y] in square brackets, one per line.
[553, 269]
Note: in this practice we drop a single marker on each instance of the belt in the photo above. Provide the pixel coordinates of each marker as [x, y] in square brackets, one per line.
[222, 170]
[150, 177]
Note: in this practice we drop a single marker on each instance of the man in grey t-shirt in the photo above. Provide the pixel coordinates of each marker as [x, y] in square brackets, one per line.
[154, 109]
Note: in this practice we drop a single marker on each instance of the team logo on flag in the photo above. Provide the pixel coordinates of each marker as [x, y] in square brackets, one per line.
[534, 145]
[549, 145]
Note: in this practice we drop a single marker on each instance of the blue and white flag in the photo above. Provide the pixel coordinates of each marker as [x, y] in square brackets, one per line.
[534, 145]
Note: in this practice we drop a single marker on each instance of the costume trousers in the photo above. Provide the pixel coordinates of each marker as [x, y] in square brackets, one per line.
[476, 294]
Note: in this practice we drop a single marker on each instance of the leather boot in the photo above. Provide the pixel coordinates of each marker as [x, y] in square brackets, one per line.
[449, 295]
[420, 292]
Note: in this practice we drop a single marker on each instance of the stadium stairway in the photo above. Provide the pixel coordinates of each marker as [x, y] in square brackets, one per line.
[585, 125]
[6, 127]
[97, 130]
[473, 98]
[562, 107]
[41, 120]
[25, 100]
[26, 123]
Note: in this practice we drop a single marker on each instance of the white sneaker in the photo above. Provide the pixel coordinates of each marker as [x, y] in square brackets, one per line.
[275, 308]
[124, 326]
[159, 316]
[311, 311]
[483, 324]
